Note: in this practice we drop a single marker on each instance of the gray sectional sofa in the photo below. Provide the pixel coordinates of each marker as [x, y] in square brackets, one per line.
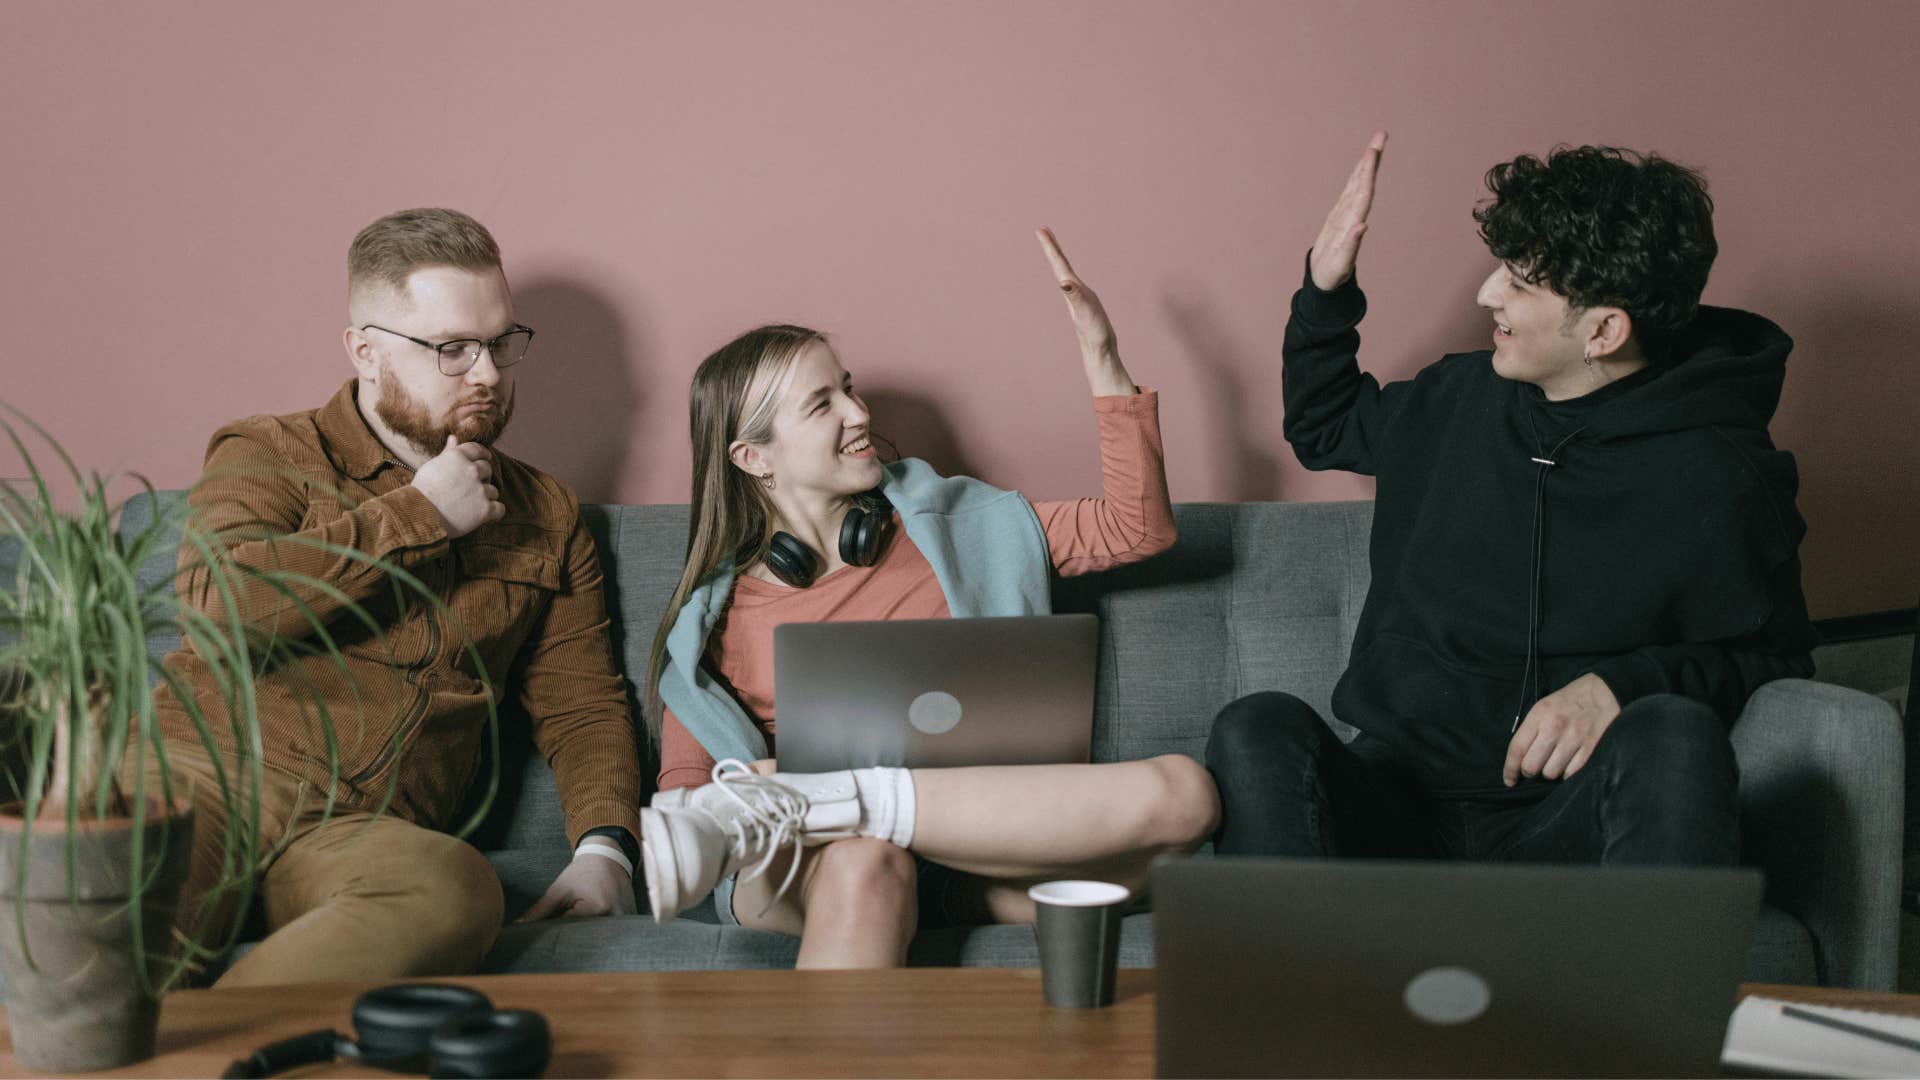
[1255, 596]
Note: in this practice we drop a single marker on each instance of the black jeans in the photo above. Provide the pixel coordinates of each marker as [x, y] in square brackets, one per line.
[1660, 788]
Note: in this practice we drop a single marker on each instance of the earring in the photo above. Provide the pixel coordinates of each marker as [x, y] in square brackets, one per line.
[767, 481]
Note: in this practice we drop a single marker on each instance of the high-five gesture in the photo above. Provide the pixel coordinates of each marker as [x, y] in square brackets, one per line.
[1338, 247]
[1099, 347]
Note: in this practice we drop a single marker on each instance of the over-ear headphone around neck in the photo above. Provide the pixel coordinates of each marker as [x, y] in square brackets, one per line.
[864, 533]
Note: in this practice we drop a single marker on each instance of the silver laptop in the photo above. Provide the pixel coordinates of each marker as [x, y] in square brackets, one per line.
[1309, 967]
[934, 692]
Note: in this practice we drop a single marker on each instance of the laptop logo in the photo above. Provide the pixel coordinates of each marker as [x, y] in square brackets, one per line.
[934, 712]
[1447, 995]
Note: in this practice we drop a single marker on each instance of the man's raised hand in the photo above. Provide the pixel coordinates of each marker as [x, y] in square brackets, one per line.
[1338, 248]
[1099, 346]
[455, 481]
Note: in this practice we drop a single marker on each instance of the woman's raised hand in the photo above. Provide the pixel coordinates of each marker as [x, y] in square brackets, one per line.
[1338, 248]
[1099, 346]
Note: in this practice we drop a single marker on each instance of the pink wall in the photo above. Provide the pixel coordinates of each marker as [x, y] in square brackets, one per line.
[181, 181]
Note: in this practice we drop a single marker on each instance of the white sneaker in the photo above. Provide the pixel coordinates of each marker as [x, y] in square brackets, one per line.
[690, 838]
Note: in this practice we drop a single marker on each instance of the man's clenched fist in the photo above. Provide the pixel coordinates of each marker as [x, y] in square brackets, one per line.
[455, 481]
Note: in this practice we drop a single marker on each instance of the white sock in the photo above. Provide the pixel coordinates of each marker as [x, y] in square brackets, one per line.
[887, 799]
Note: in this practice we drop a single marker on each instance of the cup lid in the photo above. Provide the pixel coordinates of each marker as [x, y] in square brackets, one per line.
[1079, 893]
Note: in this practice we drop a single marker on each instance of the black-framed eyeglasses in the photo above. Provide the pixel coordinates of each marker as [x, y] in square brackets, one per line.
[458, 356]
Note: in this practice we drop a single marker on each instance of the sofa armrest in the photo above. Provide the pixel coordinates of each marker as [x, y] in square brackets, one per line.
[1822, 791]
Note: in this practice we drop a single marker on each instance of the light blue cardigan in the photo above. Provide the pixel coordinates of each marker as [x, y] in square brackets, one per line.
[988, 551]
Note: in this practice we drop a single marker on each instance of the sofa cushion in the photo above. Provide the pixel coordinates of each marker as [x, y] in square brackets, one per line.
[1253, 597]
[1782, 950]
[634, 943]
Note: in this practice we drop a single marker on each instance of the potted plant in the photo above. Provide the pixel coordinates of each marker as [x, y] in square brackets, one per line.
[95, 837]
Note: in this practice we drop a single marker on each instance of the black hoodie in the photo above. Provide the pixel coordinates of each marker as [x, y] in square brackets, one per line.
[1658, 549]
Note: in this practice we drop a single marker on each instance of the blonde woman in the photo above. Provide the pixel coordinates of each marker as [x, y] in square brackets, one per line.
[795, 519]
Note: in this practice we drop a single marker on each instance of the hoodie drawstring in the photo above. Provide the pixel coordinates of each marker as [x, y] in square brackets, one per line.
[1531, 673]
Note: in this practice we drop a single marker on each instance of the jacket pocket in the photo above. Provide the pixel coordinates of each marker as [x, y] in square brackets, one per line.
[501, 595]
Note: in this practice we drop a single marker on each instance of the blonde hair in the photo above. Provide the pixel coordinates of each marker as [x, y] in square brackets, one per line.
[728, 521]
[387, 252]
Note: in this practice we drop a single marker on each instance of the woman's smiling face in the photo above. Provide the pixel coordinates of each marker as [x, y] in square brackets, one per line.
[820, 434]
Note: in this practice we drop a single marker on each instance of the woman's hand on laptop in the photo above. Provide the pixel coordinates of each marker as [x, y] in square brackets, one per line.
[1561, 730]
[1099, 346]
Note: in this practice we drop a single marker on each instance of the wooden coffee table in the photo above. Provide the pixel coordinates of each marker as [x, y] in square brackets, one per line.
[913, 1022]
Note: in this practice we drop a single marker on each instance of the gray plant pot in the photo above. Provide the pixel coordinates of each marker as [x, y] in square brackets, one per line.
[81, 1002]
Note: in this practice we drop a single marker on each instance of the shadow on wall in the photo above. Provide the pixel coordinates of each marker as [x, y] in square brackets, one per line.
[917, 428]
[580, 405]
[1847, 415]
[1466, 326]
[1250, 457]
[1241, 380]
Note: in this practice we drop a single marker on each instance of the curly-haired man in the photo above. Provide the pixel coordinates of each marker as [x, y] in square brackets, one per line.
[1585, 546]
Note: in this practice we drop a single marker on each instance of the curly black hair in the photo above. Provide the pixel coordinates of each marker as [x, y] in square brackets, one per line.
[1608, 227]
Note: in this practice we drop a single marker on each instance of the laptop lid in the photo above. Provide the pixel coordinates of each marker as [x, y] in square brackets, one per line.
[935, 692]
[1308, 967]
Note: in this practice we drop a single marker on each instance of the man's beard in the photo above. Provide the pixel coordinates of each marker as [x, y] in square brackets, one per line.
[406, 417]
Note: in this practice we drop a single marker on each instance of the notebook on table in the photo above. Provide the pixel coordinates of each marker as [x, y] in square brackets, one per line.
[1791, 1038]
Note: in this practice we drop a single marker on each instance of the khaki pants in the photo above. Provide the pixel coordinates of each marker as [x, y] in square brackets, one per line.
[352, 897]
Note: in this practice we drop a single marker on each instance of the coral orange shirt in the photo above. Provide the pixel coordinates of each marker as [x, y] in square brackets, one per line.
[1132, 520]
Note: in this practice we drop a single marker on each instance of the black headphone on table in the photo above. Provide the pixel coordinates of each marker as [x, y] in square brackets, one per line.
[446, 1030]
[864, 533]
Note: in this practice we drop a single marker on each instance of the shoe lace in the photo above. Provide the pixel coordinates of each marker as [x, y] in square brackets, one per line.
[772, 814]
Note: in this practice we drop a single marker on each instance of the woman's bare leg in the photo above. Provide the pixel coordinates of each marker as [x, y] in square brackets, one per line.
[1012, 826]
[1035, 822]
[854, 904]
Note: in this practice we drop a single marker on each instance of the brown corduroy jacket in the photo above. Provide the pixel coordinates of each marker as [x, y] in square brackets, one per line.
[408, 709]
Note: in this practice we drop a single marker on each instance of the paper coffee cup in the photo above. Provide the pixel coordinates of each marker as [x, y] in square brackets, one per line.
[1078, 927]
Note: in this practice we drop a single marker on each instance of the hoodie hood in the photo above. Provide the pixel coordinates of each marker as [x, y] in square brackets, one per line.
[1725, 369]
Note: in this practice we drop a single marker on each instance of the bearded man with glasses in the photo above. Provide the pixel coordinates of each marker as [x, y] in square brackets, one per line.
[357, 877]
